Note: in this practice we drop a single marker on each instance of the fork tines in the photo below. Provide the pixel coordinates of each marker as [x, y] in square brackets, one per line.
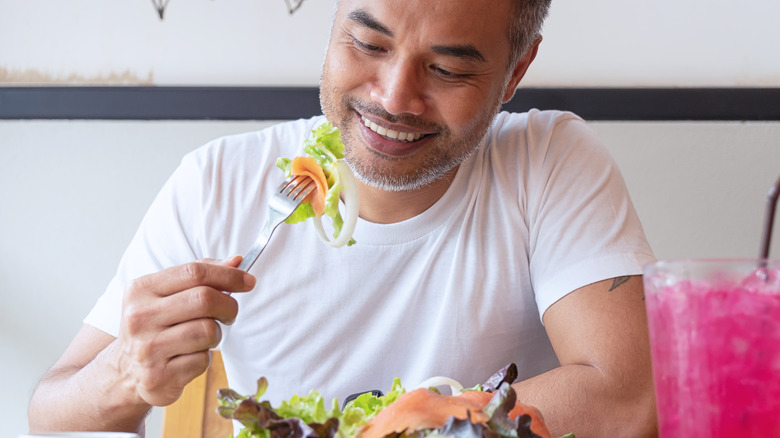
[298, 186]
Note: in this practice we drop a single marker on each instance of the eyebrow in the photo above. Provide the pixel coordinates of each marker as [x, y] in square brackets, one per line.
[465, 51]
[362, 17]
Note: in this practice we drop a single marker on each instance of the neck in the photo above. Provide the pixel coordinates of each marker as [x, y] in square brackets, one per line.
[386, 207]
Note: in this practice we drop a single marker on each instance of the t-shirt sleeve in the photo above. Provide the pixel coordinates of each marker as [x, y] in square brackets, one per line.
[167, 236]
[583, 227]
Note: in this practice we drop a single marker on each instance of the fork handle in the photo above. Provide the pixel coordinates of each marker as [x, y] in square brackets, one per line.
[250, 258]
[262, 240]
[289, 196]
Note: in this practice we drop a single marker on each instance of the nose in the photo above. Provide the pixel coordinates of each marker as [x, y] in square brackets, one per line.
[399, 89]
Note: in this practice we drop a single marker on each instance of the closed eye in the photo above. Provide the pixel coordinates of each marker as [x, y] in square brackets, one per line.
[368, 48]
[446, 74]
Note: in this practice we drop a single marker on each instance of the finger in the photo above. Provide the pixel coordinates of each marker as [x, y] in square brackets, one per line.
[186, 367]
[164, 386]
[234, 262]
[187, 337]
[195, 303]
[189, 275]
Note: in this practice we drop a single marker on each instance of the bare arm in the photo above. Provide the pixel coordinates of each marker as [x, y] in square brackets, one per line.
[168, 325]
[82, 392]
[603, 387]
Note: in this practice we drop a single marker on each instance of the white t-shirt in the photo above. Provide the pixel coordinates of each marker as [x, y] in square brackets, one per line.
[539, 210]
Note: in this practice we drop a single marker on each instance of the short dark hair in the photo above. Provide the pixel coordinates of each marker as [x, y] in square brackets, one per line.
[526, 25]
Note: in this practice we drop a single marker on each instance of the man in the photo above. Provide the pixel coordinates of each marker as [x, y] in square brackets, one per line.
[483, 239]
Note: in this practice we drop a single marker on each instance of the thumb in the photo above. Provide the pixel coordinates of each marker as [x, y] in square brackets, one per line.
[233, 262]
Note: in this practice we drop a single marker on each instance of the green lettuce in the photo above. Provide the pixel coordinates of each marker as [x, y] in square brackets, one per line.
[301, 416]
[326, 147]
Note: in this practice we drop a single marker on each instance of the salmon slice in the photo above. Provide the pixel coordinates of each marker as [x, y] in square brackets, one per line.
[426, 409]
[307, 166]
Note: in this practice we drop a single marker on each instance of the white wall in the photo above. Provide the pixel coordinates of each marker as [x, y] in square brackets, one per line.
[255, 42]
[699, 188]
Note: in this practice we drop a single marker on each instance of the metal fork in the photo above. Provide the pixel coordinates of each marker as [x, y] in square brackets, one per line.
[286, 199]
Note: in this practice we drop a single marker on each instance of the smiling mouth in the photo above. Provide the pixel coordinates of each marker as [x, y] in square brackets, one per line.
[390, 133]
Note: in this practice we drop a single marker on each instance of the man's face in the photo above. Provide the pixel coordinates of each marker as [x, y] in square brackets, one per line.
[414, 84]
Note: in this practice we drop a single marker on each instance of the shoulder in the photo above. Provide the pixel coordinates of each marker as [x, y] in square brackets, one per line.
[537, 127]
[545, 137]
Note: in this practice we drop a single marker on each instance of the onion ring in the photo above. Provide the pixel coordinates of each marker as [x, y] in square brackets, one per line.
[454, 385]
[351, 208]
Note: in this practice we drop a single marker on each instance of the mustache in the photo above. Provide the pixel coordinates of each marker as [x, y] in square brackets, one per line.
[376, 110]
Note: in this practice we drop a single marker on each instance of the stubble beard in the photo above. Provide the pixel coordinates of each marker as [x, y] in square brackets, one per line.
[448, 151]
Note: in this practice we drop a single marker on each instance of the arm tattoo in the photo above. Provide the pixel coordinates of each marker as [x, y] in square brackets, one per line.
[617, 281]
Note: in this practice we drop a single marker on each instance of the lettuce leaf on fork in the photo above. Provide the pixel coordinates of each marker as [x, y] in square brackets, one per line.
[326, 147]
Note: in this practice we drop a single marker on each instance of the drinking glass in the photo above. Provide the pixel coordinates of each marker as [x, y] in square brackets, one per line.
[715, 343]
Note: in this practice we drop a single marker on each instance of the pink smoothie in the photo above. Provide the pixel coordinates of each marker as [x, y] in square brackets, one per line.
[716, 357]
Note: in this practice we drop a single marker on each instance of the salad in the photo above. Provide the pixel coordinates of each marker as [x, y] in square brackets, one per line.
[489, 410]
[325, 165]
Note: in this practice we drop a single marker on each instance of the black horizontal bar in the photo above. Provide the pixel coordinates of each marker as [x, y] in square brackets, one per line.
[284, 103]
[158, 103]
[654, 103]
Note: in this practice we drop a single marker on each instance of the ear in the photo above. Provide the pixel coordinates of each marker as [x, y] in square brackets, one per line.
[520, 68]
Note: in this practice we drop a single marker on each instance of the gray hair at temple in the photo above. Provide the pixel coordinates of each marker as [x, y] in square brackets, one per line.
[526, 25]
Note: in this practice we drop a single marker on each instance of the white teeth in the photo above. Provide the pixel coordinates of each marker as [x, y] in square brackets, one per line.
[403, 136]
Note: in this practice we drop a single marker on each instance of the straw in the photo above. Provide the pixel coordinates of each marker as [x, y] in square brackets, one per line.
[769, 219]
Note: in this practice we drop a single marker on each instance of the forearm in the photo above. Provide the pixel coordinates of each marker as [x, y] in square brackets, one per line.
[588, 402]
[96, 397]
